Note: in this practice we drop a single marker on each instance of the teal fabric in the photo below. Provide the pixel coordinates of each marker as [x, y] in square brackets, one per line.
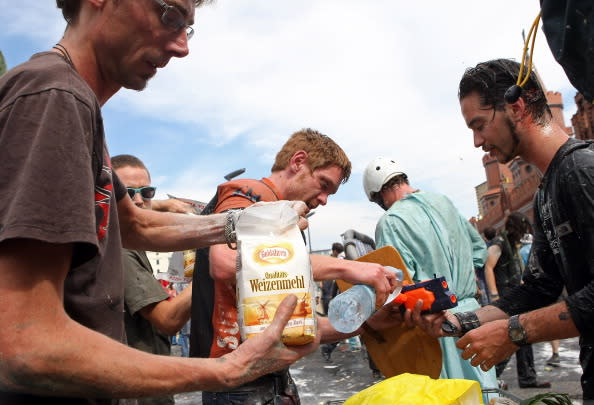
[435, 240]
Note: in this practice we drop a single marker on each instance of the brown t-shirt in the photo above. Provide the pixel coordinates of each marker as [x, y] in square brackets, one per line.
[57, 186]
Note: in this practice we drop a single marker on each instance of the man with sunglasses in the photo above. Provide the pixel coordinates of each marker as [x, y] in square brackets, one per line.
[150, 316]
[64, 217]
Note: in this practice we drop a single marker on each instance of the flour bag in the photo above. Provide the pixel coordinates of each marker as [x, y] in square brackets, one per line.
[273, 262]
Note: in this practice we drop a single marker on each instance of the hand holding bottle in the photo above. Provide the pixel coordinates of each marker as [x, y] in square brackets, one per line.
[348, 310]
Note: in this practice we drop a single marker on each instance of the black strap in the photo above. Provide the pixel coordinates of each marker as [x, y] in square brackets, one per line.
[271, 189]
[210, 207]
[203, 291]
[468, 321]
[97, 153]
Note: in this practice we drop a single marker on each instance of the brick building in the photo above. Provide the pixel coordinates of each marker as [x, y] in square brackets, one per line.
[511, 187]
[583, 119]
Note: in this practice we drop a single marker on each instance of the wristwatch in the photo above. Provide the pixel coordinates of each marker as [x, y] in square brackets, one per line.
[516, 332]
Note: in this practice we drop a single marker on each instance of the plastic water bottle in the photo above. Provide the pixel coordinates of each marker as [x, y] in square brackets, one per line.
[348, 310]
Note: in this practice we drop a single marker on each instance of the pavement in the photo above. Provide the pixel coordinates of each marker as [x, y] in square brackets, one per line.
[323, 383]
[563, 379]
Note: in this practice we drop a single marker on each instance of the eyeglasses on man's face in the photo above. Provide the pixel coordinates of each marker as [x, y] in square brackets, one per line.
[174, 19]
[146, 192]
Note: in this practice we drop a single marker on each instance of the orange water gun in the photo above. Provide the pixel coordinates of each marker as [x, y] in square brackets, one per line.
[435, 293]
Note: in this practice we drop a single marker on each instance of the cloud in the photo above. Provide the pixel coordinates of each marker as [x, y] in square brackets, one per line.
[33, 19]
[380, 77]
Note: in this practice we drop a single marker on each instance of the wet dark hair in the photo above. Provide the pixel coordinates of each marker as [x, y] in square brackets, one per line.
[489, 232]
[516, 225]
[337, 247]
[491, 79]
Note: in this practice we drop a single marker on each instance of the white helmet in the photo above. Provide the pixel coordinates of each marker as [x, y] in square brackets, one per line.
[377, 173]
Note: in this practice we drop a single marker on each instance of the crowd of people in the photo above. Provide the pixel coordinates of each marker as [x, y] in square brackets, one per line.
[85, 322]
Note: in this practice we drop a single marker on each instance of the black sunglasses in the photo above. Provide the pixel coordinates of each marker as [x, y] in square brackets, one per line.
[146, 193]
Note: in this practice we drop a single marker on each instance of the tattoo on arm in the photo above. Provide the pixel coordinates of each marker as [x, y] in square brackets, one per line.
[564, 316]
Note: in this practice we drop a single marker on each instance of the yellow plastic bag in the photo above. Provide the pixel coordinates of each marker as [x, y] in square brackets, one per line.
[414, 389]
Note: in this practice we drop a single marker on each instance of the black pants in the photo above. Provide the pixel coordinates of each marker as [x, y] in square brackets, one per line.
[328, 348]
[587, 362]
[524, 366]
[372, 365]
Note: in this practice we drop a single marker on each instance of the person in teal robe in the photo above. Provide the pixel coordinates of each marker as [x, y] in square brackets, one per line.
[434, 240]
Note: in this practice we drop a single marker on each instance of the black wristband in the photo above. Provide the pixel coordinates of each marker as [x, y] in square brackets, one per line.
[449, 328]
[468, 321]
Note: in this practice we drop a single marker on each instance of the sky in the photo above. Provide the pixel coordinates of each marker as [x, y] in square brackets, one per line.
[378, 76]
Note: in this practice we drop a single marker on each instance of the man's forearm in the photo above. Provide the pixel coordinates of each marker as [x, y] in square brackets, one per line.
[461, 322]
[71, 360]
[354, 272]
[549, 323]
[542, 325]
[182, 307]
[329, 334]
[327, 267]
[167, 232]
[490, 313]
[490, 281]
[169, 316]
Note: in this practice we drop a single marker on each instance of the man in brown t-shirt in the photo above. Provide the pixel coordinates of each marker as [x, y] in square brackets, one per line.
[64, 217]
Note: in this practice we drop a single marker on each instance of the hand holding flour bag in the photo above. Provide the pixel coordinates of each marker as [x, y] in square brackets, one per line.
[273, 262]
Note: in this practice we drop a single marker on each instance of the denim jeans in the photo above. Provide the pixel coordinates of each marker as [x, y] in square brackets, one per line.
[184, 341]
[273, 389]
[524, 365]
